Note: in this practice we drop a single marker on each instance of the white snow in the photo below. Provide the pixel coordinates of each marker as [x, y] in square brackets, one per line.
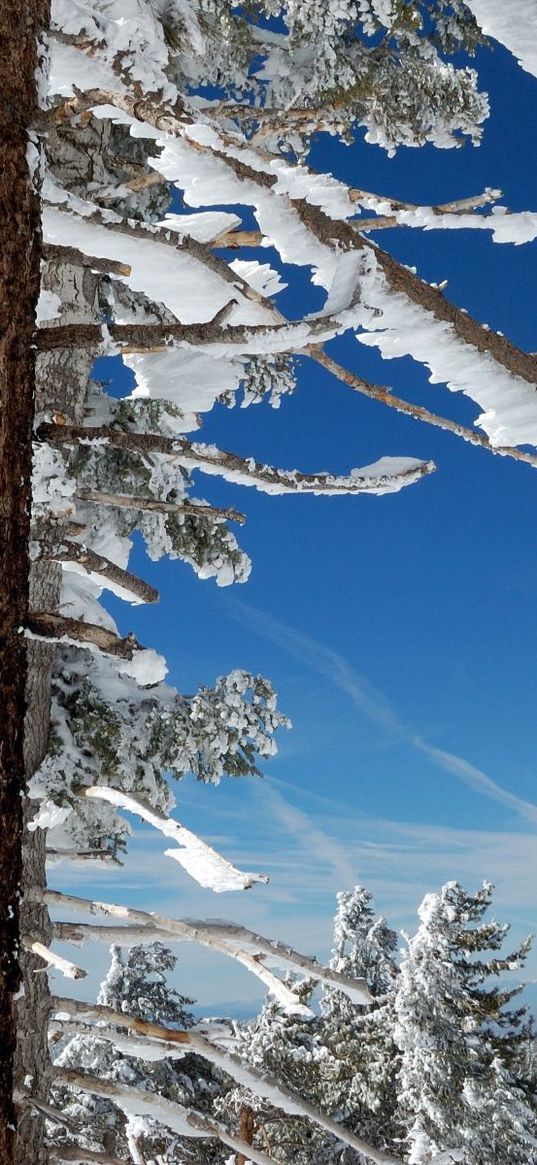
[513, 23]
[399, 327]
[204, 864]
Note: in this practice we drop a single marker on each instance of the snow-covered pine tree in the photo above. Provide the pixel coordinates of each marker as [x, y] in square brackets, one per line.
[343, 1059]
[456, 1033]
[359, 1066]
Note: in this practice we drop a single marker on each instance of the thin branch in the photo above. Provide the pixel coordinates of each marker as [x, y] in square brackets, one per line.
[96, 564]
[261, 1082]
[47, 625]
[54, 1114]
[203, 863]
[52, 959]
[89, 855]
[132, 502]
[227, 937]
[244, 471]
[386, 397]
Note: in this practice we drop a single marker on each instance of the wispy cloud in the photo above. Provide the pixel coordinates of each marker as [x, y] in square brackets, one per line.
[477, 779]
[308, 833]
[373, 704]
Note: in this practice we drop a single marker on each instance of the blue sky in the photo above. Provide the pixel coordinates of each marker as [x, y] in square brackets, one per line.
[398, 631]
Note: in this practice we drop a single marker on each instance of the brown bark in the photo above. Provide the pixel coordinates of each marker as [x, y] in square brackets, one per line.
[20, 25]
[51, 626]
[96, 563]
[246, 1130]
[131, 502]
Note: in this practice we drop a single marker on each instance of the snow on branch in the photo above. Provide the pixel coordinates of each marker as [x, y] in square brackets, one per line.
[135, 589]
[140, 1102]
[48, 625]
[67, 968]
[388, 475]
[260, 1082]
[227, 937]
[200, 861]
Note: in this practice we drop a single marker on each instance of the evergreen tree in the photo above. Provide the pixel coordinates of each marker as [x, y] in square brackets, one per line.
[456, 1033]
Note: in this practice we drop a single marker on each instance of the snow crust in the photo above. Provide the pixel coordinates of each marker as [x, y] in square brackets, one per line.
[514, 24]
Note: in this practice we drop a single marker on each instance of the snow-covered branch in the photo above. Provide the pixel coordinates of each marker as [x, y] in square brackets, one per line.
[227, 937]
[48, 625]
[203, 863]
[52, 959]
[387, 475]
[92, 563]
[261, 1083]
[138, 1101]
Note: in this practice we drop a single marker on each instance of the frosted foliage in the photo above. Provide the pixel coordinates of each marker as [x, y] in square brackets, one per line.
[107, 730]
[204, 542]
[136, 983]
[454, 1059]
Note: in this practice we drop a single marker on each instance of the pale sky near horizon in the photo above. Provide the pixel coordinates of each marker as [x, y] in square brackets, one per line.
[398, 631]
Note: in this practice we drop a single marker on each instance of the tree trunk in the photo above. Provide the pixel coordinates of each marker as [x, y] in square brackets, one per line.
[20, 26]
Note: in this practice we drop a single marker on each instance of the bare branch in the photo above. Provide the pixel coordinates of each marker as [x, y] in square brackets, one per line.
[47, 625]
[227, 937]
[128, 502]
[55, 252]
[386, 397]
[94, 563]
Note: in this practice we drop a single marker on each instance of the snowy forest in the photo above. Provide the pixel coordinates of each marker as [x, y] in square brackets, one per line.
[162, 201]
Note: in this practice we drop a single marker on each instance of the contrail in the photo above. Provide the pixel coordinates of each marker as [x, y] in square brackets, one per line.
[373, 703]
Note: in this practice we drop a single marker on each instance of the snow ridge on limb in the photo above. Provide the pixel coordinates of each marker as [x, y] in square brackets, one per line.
[387, 475]
[228, 937]
[262, 1083]
[139, 1102]
[203, 863]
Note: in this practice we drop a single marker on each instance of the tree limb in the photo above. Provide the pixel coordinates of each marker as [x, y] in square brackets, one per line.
[96, 564]
[67, 968]
[227, 937]
[261, 1082]
[56, 252]
[132, 502]
[47, 625]
[244, 471]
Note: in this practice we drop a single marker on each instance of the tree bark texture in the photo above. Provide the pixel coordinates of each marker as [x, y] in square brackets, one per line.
[21, 24]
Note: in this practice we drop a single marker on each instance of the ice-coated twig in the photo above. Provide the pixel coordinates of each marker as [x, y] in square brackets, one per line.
[67, 968]
[262, 1083]
[227, 937]
[203, 863]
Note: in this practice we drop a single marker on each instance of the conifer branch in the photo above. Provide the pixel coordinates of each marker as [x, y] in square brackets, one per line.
[52, 959]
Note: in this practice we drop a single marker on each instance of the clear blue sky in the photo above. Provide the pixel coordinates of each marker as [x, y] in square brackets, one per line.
[384, 623]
